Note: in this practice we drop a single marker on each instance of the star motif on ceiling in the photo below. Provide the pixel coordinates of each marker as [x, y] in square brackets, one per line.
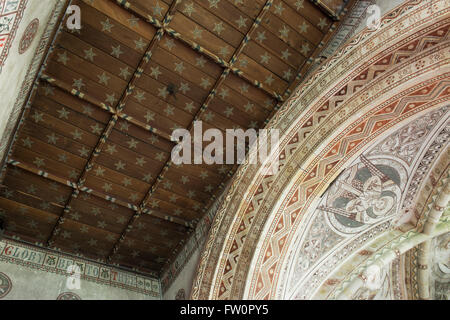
[184, 179]
[224, 93]
[62, 57]
[89, 54]
[149, 116]
[87, 110]
[268, 103]
[189, 8]
[169, 110]
[153, 139]
[303, 27]
[196, 206]
[133, 21]
[147, 177]
[224, 51]
[241, 22]
[124, 126]
[32, 224]
[169, 44]
[155, 72]
[99, 171]
[111, 98]
[209, 188]
[197, 33]
[284, 32]
[208, 116]
[78, 83]
[83, 151]
[285, 54]
[109, 237]
[77, 135]
[177, 212]
[205, 83]
[124, 73]
[27, 142]
[52, 138]
[157, 9]
[191, 194]
[184, 87]
[8, 194]
[237, 2]
[244, 88]
[103, 78]
[119, 165]
[62, 157]
[179, 67]
[189, 106]
[140, 161]
[213, 3]
[155, 203]
[101, 224]
[299, 4]
[126, 182]
[140, 96]
[173, 198]
[84, 229]
[269, 79]
[111, 149]
[63, 113]
[279, 9]
[132, 144]
[107, 187]
[116, 51]
[265, 58]
[140, 44]
[167, 185]
[228, 112]
[92, 242]
[249, 107]
[72, 175]
[96, 129]
[75, 216]
[66, 234]
[106, 25]
[200, 62]
[261, 36]
[253, 124]
[160, 156]
[287, 75]
[322, 23]
[133, 197]
[305, 48]
[218, 27]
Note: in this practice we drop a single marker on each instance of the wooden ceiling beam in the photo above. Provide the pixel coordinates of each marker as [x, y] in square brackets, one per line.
[145, 60]
[198, 48]
[104, 196]
[67, 88]
[325, 9]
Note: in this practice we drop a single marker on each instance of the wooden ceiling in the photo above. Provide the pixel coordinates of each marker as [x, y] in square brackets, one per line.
[89, 170]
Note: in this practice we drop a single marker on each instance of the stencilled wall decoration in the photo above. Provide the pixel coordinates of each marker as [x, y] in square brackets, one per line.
[44, 260]
[11, 13]
[5, 285]
[68, 296]
[28, 36]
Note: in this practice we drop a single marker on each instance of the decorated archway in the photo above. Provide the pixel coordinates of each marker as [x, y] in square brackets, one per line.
[355, 136]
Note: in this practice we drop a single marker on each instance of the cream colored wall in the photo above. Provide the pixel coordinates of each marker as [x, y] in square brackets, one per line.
[184, 279]
[16, 66]
[29, 284]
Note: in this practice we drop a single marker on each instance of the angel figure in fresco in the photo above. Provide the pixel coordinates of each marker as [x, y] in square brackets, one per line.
[365, 195]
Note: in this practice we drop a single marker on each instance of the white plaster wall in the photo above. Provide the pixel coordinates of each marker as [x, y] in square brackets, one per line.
[16, 66]
[185, 279]
[29, 284]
